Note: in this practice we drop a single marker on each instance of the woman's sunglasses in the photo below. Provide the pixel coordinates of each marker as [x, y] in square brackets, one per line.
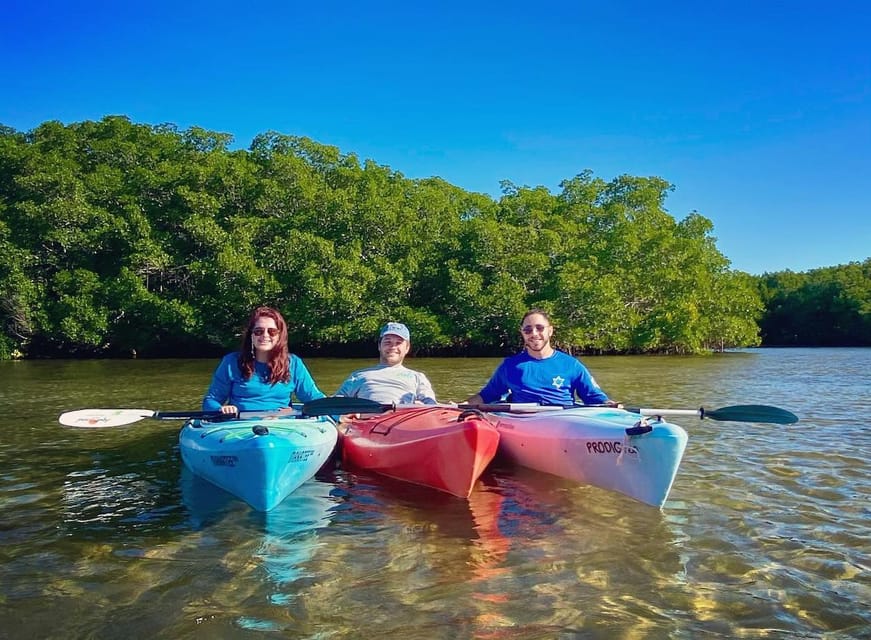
[259, 331]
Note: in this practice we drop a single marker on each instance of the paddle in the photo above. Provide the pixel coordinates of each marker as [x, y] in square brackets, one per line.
[340, 405]
[102, 418]
[736, 413]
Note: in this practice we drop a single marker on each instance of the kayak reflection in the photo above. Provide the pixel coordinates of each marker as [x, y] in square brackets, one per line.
[286, 537]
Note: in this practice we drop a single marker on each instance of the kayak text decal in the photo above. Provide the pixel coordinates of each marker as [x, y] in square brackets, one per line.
[224, 461]
[302, 455]
[609, 446]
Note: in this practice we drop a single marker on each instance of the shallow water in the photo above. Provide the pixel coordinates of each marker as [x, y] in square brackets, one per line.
[765, 534]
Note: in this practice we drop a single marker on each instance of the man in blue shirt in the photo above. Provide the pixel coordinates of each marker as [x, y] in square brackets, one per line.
[540, 373]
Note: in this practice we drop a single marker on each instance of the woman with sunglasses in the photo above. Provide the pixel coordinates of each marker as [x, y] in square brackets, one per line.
[540, 373]
[262, 375]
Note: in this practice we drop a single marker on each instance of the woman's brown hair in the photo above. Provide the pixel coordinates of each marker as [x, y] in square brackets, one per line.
[279, 358]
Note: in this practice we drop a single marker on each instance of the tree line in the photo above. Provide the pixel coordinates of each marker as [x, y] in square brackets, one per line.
[122, 239]
[822, 307]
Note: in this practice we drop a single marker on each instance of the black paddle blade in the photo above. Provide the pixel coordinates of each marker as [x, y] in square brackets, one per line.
[752, 413]
[338, 405]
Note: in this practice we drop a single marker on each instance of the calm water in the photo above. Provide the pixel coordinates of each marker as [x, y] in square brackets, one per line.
[767, 532]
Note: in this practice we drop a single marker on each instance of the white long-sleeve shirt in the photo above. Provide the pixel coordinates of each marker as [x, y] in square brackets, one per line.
[388, 384]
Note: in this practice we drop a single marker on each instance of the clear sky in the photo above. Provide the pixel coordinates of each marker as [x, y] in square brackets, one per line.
[758, 112]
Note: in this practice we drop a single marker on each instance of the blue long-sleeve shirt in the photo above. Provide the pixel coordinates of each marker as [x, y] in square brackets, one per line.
[552, 380]
[255, 394]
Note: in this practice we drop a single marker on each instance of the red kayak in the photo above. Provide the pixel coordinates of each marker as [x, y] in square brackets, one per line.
[439, 447]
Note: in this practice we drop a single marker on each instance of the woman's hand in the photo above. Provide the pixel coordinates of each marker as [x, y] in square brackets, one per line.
[230, 408]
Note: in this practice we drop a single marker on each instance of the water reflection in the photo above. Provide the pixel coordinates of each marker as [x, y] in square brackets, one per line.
[127, 487]
[273, 549]
[516, 554]
[576, 543]
[765, 533]
[96, 497]
[420, 549]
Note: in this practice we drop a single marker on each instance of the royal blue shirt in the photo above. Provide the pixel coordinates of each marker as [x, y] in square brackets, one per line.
[255, 394]
[552, 380]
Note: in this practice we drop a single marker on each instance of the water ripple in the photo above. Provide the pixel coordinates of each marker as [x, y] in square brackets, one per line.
[765, 534]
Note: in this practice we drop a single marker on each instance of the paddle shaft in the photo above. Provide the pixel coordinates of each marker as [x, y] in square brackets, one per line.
[736, 413]
[696, 413]
[340, 405]
[191, 415]
[101, 418]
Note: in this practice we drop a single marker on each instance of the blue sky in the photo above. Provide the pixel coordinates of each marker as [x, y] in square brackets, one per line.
[759, 113]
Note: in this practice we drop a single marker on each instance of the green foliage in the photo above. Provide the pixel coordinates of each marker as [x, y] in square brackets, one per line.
[825, 307]
[120, 238]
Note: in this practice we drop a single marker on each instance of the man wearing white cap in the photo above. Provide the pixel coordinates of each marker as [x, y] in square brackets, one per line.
[390, 381]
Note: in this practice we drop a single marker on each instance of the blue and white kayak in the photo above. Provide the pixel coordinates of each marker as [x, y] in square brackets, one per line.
[261, 459]
[608, 448]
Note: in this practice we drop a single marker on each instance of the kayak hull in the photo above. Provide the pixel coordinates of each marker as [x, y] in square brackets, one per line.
[590, 445]
[438, 447]
[259, 460]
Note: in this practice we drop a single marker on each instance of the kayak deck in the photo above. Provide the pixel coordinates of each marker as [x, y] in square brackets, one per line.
[439, 447]
[260, 460]
[608, 448]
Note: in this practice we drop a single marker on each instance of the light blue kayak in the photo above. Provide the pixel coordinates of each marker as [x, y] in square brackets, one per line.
[608, 448]
[260, 460]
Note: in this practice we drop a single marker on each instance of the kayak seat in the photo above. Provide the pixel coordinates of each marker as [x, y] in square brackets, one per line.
[386, 426]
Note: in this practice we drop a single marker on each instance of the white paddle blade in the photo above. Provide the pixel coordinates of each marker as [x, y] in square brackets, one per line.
[102, 418]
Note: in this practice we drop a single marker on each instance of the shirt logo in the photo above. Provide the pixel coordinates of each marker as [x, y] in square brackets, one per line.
[558, 382]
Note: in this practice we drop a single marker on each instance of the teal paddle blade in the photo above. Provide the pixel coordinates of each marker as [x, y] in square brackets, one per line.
[752, 413]
[338, 405]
